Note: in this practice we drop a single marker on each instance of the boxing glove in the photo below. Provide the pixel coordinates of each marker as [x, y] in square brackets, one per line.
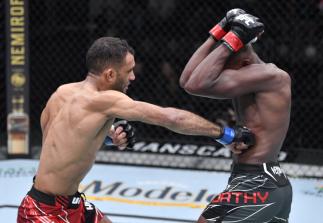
[127, 128]
[220, 29]
[244, 29]
[236, 134]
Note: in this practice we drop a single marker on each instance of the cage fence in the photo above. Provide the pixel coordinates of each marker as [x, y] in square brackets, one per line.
[164, 35]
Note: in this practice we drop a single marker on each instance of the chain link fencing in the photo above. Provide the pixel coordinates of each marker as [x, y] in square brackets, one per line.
[164, 34]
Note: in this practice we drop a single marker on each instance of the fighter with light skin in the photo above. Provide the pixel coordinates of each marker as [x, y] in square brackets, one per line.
[75, 123]
[225, 66]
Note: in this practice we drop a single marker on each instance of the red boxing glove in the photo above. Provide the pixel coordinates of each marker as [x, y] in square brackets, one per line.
[220, 29]
[245, 28]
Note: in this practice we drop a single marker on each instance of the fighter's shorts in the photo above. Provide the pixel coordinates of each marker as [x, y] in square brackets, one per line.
[40, 207]
[255, 193]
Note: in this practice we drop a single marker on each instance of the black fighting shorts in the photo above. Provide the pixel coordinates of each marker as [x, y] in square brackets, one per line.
[255, 193]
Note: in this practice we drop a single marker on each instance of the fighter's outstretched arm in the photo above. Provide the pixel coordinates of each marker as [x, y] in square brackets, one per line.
[115, 104]
[118, 105]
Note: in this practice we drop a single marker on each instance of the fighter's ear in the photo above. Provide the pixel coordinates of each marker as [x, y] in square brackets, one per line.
[109, 74]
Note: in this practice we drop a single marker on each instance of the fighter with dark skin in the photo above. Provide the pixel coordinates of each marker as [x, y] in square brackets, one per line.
[225, 66]
[260, 92]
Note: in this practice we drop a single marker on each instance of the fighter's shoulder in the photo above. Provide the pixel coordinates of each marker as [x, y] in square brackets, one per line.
[62, 94]
[281, 74]
[67, 88]
[110, 95]
[106, 98]
[272, 71]
[280, 79]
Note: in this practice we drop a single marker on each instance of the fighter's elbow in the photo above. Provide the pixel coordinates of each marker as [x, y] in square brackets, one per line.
[185, 78]
[282, 79]
[192, 88]
[286, 78]
[182, 83]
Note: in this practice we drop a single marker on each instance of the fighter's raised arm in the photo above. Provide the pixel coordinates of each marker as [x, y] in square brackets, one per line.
[212, 79]
[216, 34]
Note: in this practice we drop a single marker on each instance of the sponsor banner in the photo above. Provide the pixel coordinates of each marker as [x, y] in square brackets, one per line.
[154, 192]
[16, 179]
[216, 150]
[17, 73]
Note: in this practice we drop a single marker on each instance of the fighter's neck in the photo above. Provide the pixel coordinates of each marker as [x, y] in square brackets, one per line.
[92, 82]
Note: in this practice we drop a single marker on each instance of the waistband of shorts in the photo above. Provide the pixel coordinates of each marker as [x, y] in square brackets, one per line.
[51, 199]
[251, 168]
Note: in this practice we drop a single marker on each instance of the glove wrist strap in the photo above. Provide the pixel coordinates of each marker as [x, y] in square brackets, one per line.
[108, 141]
[227, 137]
[217, 32]
[232, 41]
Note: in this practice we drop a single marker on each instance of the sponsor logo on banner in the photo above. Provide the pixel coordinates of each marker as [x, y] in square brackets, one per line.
[216, 150]
[182, 149]
[156, 194]
[12, 172]
[17, 78]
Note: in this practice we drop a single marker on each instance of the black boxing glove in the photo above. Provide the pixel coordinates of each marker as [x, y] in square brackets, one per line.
[245, 28]
[127, 128]
[236, 134]
[220, 29]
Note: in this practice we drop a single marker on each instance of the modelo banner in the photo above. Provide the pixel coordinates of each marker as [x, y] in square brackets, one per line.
[149, 195]
[17, 77]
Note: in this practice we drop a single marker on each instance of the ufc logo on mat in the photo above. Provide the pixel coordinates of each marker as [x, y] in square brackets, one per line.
[246, 19]
[76, 200]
